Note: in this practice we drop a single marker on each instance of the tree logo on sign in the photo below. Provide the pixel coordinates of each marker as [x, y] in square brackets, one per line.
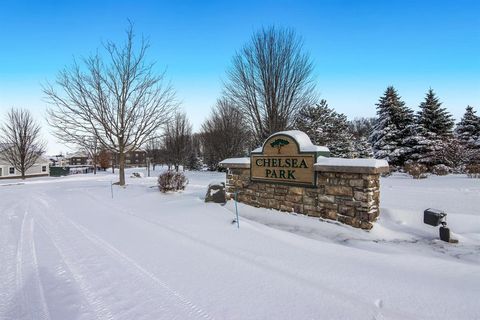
[279, 143]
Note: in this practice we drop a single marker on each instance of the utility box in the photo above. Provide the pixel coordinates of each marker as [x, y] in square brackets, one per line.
[59, 171]
[433, 217]
[445, 234]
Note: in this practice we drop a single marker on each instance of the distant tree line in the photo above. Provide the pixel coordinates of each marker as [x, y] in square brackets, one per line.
[115, 102]
[428, 137]
[269, 88]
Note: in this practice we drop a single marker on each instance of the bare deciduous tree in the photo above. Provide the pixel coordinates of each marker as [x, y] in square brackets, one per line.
[271, 78]
[117, 98]
[361, 127]
[224, 134]
[177, 140]
[154, 151]
[20, 141]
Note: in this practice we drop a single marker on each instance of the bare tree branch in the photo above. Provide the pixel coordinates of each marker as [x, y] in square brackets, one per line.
[270, 80]
[177, 140]
[224, 134]
[20, 143]
[116, 99]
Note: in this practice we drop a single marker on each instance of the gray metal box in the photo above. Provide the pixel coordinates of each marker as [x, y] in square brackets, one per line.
[433, 217]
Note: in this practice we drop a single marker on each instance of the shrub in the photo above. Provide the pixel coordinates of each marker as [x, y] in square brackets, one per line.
[473, 170]
[172, 181]
[457, 155]
[416, 170]
[441, 170]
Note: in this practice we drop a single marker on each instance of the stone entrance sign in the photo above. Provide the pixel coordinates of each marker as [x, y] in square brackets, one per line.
[289, 173]
[282, 159]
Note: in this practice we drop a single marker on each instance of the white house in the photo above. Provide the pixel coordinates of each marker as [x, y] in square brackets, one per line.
[40, 168]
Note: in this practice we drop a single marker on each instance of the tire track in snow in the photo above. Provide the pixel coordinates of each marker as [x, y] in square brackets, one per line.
[98, 308]
[29, 283]
[66, 250]
[262, 265]
[139, 273]
[8, 258]
[43, 313]
[18, 264]
[143, 271]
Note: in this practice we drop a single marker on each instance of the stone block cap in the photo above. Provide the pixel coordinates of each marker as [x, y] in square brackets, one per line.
[235, 163]
[324, 164]
[351, 165]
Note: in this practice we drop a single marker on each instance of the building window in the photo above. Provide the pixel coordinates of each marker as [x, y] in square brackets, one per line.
[44, 168]
[11, 170]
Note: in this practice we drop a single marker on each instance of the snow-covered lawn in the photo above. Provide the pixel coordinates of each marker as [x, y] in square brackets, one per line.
[68, 250]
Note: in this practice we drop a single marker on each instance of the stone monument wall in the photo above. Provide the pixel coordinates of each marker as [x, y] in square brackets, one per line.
[289, 173]
[349, 197]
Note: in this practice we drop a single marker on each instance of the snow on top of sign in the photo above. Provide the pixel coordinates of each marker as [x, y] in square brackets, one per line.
[236, 161]
[341, 162]
[302, 139]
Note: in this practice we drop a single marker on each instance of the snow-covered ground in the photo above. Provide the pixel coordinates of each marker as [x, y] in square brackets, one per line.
[68, 250]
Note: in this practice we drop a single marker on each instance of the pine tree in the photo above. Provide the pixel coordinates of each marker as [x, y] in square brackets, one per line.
[433, 118]
[326, 127]
[392, 129]
[434, 127]
[194, 162]
[468, 129]
[363, 149]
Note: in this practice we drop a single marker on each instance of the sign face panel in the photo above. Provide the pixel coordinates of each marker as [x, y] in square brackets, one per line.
[282, 162]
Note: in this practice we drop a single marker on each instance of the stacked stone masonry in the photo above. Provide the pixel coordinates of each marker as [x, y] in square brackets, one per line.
[350, 198]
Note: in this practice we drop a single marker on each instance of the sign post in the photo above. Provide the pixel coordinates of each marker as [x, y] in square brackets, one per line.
[236, 210]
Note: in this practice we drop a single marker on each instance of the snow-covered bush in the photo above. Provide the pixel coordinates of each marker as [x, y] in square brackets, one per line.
[416, 170]
[441, 170]
[172, 181]
[473, 170]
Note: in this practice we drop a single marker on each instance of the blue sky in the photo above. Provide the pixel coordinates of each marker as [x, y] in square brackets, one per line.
[358, 47]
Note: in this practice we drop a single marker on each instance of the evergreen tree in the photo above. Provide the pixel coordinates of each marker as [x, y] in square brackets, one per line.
[392, 129]
[434, 127]
[194, 159]
[432, 118]
[468, 129]
[363, 148]
[326, 127]
[194, 162]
